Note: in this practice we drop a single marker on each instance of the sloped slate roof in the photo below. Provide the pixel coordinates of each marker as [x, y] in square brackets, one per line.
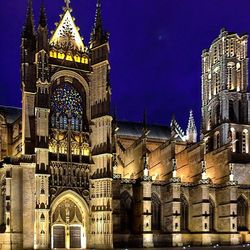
[126, 128]
[11, 114]
[134, 129]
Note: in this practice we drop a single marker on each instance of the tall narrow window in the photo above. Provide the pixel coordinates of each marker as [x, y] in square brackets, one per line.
[233, 138]
[217, 82]
[232, 114]
[184, 214]
[209, 124]
[126, 219]
[237, 143]
[229, 78]
[211, 215]
[242, 211]
[217, 115]
[156, 212]
[217, 140]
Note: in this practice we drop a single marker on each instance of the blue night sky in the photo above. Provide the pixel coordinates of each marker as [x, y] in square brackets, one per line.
[155, 49]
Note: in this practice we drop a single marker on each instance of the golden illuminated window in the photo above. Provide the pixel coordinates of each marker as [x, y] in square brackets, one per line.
[77, 58]
[61, 56]
[69, 57]
[52, 54]
[85, 60]
[86, 151]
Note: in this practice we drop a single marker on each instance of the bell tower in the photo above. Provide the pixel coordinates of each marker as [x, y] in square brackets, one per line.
[28, 80]
[225, 101]
[101, 137]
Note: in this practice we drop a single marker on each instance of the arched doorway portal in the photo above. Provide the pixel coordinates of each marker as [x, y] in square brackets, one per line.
[69, 221]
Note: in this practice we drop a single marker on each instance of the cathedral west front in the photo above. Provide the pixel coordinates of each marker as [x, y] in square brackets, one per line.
[72, 176]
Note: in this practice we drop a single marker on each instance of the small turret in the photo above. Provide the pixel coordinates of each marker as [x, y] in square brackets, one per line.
[174, 170]
[145, 129]
[42, 32]
[191, 133]
[145, 166]
[176, 131]
[203, 170]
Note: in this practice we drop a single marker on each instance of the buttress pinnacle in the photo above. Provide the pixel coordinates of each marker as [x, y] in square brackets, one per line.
[28, 29]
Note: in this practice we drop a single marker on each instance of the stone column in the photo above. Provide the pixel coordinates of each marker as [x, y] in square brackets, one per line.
[145, 210]
[227, 213]
[28, 200]
[200, 208]
[8, 200]
[172, 210]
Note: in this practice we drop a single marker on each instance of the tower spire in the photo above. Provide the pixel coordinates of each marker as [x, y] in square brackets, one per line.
[28, 29]
[43, 18]
[145, 129]
[98, 36]
[42, 32]
[191, 133]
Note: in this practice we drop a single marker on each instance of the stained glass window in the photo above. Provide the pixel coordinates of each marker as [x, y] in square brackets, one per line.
[66, 103]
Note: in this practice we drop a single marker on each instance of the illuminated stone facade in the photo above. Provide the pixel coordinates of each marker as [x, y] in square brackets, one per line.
[72, 176]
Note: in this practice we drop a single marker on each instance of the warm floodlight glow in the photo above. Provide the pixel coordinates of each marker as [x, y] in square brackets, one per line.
[67, 33]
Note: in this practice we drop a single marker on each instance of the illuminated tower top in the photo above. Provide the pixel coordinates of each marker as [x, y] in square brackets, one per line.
[224, 65]
[67, 33]
[225, 100]
[224, 80]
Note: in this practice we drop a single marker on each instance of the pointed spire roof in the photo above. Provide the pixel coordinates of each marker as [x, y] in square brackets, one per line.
[28, 29]
[98, 36]
[176, 130]
[67, 33]
[98, 16]
[191, 132]
[144, 124]
[191, 122]
[115, 124]
[43, 18]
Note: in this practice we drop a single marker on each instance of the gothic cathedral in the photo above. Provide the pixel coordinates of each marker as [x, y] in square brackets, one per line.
[73, 176]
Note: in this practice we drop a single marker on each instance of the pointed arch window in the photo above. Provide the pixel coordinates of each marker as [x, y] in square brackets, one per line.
[230, 76]
[242, 214]
[126, 223]
[216, 81]
[156, 212]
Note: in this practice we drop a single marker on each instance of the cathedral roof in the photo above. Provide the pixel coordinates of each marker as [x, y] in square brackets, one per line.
[135, 129]
[11, 114]
[126, 128]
